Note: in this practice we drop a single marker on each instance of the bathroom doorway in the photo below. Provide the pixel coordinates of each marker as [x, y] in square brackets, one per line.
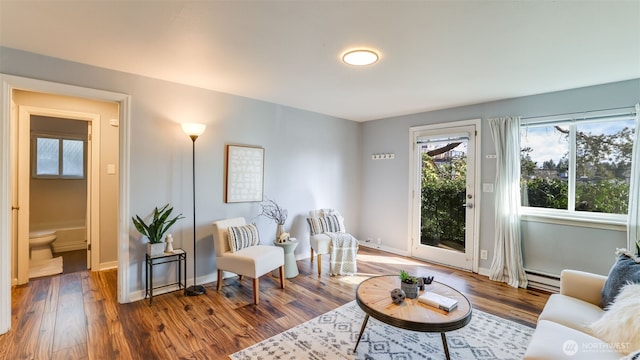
[56, 151]
[115, 110]
[59, 195]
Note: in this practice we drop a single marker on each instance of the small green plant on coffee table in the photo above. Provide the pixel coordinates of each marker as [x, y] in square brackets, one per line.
[407, 279]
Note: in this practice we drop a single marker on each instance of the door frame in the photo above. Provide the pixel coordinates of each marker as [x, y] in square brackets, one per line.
[8, 84]
[414, 181]
[23, 149]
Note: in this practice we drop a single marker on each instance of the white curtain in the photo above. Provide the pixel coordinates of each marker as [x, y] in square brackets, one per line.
[507, 265]
[633, 220]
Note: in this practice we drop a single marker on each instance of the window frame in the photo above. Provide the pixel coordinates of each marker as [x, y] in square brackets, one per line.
[60, 138]
[570, 216]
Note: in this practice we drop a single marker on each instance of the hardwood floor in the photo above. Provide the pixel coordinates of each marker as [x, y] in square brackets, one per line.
[76, 315]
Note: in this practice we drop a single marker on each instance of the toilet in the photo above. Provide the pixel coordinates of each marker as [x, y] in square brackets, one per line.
[40, 244]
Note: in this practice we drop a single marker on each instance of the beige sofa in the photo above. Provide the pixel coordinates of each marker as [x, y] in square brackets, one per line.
[563, 330]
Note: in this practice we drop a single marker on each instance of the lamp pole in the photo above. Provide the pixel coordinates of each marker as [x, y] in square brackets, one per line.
[194, 130]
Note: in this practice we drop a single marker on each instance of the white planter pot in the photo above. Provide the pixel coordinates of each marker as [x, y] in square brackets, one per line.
[155, 249]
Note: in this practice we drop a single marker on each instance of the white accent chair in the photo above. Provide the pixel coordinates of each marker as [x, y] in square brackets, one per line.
[253, 261]
[321, 242]
[320, 245]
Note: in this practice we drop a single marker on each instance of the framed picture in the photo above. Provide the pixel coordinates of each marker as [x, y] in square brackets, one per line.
[245, 173]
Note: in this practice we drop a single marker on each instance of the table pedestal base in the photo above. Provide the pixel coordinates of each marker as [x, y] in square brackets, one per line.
[290, 264]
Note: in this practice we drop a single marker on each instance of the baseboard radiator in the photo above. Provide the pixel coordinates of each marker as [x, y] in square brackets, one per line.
[543, 281]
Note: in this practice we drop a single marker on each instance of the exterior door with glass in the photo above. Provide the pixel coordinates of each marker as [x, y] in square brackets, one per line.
[444, 194]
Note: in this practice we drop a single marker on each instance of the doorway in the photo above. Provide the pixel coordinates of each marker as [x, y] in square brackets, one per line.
[120, 131]
[60, 190]
[25, 150]
[445, 194]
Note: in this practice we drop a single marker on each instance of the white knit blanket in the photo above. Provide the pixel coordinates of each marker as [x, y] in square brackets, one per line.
[343, 250]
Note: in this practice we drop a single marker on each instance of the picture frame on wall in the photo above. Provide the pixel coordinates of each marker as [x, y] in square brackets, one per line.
[245, 174]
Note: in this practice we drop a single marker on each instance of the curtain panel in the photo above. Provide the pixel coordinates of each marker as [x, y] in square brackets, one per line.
[507, 265]
[633, 219]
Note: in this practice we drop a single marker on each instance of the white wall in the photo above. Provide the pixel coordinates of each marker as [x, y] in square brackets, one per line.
[384, 208]
[311, 160]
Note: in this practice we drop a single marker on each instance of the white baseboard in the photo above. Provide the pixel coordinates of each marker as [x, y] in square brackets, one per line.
[106, 266]
[139, 295]
[484, 271]
[546, 283]
[384, 248]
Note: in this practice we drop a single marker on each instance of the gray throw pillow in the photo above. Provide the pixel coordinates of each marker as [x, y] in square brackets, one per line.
[625, 270]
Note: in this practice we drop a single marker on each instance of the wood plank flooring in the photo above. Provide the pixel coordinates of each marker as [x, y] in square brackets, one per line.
[76, 315]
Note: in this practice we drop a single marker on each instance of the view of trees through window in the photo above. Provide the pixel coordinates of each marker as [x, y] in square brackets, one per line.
[596, 153]
[600, 169]
[443, 184]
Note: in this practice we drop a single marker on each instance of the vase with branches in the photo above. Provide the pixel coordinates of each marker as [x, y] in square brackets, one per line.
[272, 211]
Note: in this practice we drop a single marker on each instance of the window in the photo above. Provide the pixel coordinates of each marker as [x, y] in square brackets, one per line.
[577, 164]
[57, 157]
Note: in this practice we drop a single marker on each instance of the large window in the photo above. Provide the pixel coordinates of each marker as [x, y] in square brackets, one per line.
[577, 164]
[58, 157]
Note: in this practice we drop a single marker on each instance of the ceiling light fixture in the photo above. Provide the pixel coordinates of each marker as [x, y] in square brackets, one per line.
[360, 57]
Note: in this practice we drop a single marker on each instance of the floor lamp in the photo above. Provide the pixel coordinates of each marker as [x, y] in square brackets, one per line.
[194, 130]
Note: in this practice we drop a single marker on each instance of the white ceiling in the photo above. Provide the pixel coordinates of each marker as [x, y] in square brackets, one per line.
[434, 54]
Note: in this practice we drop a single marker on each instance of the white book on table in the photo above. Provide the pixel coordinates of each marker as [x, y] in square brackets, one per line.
[438, 301]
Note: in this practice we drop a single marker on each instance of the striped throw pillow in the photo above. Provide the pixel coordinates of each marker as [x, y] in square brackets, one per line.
[331, 223]
[241, 237]
[314, 226]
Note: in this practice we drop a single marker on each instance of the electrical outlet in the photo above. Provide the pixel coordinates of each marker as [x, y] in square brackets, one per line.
[379, 241]
[483, 254]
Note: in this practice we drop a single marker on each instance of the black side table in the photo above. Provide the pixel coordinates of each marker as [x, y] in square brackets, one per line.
[179, 256]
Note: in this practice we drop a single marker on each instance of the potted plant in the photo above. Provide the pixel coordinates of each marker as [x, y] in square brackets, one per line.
[409, 284]
[155, 230]
[271, 210]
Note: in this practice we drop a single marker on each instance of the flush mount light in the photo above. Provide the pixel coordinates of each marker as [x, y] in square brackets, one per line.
[360, 57]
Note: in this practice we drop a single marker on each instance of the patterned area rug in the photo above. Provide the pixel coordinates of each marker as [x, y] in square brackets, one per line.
[334, 334]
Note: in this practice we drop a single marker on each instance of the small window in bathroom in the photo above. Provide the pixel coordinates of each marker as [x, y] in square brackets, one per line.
[58, 157]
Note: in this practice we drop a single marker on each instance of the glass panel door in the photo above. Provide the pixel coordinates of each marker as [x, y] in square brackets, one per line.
[444, 220]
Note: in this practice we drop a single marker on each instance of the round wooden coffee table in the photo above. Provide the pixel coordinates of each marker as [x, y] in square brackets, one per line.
[374, 298]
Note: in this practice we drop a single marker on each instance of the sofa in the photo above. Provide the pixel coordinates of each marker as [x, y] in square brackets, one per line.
[565, 326]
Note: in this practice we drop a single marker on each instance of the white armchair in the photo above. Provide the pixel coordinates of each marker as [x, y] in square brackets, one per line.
[328, 236]
[252, 261]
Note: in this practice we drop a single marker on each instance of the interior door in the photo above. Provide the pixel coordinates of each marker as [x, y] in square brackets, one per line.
[444, 195]
[22, 191]
[89, 176]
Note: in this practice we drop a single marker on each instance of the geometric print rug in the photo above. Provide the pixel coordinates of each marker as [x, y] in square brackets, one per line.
[334, 334]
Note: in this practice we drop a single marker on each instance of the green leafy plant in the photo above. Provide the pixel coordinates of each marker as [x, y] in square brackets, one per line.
[159, 225]
[407, 279]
